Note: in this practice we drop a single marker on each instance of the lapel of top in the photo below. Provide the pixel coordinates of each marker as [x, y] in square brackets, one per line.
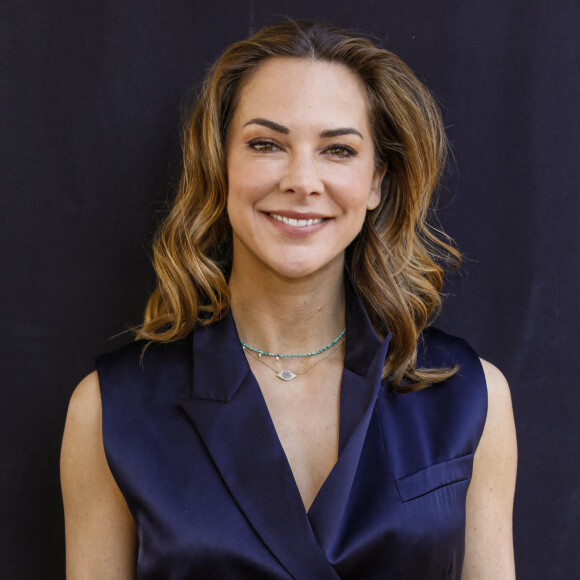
[229, 412]
[365, 354]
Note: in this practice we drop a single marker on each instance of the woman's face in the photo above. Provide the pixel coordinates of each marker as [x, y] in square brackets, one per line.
[300, 166]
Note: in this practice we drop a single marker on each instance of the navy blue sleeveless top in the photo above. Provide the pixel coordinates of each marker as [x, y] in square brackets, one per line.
[192, 447]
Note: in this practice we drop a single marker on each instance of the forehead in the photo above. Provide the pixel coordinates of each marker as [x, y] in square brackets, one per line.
[311, 89]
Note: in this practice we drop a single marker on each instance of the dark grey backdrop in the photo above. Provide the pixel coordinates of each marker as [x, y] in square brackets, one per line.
[90, 99]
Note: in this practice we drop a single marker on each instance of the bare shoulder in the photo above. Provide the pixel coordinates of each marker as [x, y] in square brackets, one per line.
[497, 450]
[84, 408]
[498, 441]
[489, 508]
[100, 532]
[497, 386]
[82, 440]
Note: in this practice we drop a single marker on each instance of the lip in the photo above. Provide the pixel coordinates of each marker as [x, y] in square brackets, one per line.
[296, 222]
[298, 215]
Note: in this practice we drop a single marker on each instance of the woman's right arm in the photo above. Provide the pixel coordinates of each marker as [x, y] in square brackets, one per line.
[100, 531]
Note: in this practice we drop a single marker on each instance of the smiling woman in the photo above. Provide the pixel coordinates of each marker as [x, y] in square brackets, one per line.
[287, 412]
[301, 177]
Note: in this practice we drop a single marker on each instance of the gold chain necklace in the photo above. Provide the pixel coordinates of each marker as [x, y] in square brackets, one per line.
[288, 375]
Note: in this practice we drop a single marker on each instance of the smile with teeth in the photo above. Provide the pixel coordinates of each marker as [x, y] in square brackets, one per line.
[294, 222]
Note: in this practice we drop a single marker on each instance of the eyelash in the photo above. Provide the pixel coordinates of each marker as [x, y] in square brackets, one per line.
[262, 146]
[335, 150]
[345, 151]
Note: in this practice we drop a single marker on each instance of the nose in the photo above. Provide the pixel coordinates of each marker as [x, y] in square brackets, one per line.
[301, 175]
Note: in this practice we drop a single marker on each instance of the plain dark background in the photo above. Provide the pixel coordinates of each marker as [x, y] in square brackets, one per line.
[91, 95]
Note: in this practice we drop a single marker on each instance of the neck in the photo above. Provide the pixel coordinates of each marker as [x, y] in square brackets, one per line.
[284, 315]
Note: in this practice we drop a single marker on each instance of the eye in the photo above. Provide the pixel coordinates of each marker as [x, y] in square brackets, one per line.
[341, 151]
[263, 146]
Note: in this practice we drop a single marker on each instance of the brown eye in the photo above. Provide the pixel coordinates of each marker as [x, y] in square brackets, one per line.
[341, 151]
[263, 146]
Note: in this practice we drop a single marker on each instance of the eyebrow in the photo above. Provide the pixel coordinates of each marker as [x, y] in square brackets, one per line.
[339, 132]
[270, 124]
[285, 131]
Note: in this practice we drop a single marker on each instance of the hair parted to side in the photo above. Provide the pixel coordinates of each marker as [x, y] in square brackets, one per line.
[396, 262]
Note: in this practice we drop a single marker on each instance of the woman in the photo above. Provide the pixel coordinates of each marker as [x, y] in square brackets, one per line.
[287, 413]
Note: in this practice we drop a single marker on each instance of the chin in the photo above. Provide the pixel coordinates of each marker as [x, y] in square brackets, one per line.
[301, 270]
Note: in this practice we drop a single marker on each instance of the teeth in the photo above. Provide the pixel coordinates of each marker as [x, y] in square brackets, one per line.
[295, 223]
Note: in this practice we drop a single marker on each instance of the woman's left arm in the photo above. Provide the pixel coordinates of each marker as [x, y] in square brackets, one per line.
[489, 553]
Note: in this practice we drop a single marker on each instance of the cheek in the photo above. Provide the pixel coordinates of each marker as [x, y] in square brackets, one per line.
[248, 182]
[354, 196]
[239, 188]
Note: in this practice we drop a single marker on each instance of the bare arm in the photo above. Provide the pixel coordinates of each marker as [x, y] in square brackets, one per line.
[100, 532]
[488, 537]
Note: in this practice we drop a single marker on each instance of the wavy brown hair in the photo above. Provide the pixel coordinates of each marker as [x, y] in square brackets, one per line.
[397, 260]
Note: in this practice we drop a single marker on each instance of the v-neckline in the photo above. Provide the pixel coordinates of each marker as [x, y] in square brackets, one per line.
[305, 418]
[229, 411]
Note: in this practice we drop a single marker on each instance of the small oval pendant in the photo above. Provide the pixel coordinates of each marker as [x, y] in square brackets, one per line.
[286, 375]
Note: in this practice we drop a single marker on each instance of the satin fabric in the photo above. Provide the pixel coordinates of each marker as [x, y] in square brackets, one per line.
[191, 444]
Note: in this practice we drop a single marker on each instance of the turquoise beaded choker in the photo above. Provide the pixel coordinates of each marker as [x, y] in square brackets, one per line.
[287, 375]
[278, 355]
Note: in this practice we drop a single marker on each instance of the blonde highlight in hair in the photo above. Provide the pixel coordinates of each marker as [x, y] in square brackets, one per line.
[396, 262]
